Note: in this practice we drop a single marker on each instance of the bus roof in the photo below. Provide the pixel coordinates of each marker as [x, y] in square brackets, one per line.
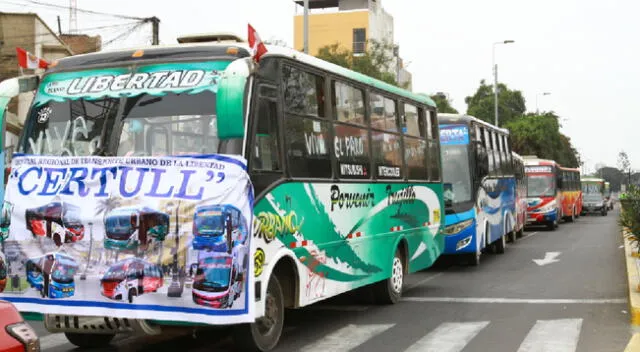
[216, 51]
[591, 179]
[517, 156]
[453, 118]
[531, 161]
[575, 169]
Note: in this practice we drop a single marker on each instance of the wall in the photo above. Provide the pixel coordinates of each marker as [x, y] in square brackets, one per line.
[329, 28]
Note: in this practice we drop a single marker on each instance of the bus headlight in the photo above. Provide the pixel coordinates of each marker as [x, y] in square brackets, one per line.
[25, 334]
[547, 208]
[455, 228]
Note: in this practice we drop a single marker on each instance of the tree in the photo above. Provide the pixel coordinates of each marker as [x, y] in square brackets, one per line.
[624, 164]
[511, 104]
[540, 135]
[443, 104]
[376, 62]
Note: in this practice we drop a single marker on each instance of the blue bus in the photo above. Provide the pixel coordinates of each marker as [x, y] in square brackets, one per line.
[218, 228]
[479, 184]
[52, 275]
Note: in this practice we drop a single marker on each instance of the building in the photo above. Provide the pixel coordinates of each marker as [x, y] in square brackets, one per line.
[351, 23]
[30, 32]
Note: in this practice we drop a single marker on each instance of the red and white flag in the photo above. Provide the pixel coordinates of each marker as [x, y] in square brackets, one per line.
[255, 43]
[28, 60]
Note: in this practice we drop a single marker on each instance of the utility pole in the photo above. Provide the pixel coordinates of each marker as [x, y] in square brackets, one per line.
[495, 79]
[155, 23]
[59, 27]
[305, 49]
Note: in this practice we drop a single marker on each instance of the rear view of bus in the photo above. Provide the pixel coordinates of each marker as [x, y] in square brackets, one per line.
[593, 190]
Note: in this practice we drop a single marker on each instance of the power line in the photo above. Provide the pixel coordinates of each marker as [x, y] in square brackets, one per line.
[5, 38]
[84, 10]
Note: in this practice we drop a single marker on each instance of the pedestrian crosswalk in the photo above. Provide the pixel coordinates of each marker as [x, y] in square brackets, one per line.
[560, 335]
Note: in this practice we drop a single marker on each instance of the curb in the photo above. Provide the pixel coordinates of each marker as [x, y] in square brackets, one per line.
[634, 344]
[632, 280]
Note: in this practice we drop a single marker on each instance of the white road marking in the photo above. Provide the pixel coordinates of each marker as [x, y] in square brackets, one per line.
[448, 337]
[52, 341]
[552, 335]
[423, 281]
[347, 338]
[529, 235]
[340, 308]
[549, 257]
[514, 300]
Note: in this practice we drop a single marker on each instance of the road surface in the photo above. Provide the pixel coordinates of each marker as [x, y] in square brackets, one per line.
[561, 291]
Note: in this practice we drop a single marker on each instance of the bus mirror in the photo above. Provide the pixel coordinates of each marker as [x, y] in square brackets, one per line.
[230, 99]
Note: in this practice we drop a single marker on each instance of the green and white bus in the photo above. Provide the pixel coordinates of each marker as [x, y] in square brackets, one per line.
[346, 169]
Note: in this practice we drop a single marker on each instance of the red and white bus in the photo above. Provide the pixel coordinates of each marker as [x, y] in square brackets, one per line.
[544, 196]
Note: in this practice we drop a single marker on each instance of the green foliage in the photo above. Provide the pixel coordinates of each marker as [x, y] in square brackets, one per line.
[511, 104]
[613, 176]
[443, 104]
[630, 214]
[377, 61]
[540, 135]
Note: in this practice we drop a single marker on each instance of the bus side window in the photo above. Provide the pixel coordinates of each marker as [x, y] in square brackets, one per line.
[482, 156]
[265, 154]
[434, 147]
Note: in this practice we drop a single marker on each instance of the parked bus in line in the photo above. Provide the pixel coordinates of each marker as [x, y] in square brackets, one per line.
[52, 275]
[218, 228]
[607, 195]
[41, 222]
[593, 189]
[521, 195]
[571, 190]
[130, 278]
[315, 136]
[480, 186]
[544, 198]
[133, 228]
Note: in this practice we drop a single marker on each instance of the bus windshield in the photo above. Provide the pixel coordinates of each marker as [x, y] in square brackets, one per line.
[213, 279]
[171, 111]
[119, 225]
[209, 225]
[63, 274]
[455, 171]
[591, 188]
[540, 185]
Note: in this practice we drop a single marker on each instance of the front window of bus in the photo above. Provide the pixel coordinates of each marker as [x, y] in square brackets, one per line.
[119, 225]
[153, 110]
[209, 225]
[212, 278]
[455, 168]
[540, 186]
[63, 274]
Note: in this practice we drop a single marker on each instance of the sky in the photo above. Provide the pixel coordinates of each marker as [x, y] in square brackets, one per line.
[584, 53]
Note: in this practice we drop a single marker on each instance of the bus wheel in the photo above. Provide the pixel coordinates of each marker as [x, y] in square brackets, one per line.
[389, 291]
[132, 292]
[89, 340]
[500, 244]
[473, 259]
[57, 240]
[264, 334]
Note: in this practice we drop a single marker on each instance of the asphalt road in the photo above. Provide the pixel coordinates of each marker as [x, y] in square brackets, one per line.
[507, 304]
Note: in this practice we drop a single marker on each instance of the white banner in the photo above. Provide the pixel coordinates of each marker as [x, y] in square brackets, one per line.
[165, 238]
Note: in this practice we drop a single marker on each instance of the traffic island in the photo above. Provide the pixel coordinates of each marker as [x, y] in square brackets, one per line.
[632, 263]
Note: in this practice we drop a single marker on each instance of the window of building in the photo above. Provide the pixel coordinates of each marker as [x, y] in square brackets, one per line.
[359, 40]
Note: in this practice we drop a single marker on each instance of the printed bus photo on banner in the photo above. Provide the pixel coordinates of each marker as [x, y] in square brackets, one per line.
[130, 237]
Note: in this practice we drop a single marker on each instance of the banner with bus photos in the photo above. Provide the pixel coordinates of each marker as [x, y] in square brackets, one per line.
[163, 238]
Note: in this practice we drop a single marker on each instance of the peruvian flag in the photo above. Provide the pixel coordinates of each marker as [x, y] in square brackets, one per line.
[255, 43]
[28, 60]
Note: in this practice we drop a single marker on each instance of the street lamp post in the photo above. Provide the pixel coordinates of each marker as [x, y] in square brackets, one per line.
[175, 289]
[306, 27]
[495, 78]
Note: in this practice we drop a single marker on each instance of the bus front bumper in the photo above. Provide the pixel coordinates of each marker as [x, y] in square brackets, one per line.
[542, 218]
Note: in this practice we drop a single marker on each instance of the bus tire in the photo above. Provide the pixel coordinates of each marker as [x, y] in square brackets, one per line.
[389, 291]
[264, 334]
[500, 244]
[89, 340]
[132, 292]
[473, 259]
